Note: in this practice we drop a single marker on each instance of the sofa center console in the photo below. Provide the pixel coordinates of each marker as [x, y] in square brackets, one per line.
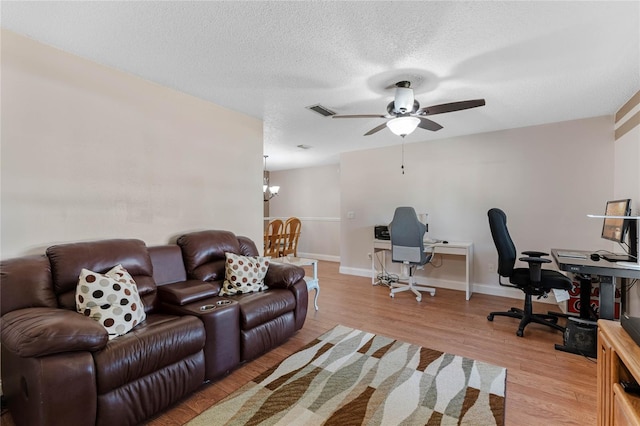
[221, 319]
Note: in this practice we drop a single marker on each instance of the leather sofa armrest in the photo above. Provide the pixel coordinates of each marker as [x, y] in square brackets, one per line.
[185, 292]
[301, 294]
[283, 276]
[35, 332]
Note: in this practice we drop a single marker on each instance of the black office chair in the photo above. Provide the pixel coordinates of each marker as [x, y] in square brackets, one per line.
[533, 281]
[407, 247]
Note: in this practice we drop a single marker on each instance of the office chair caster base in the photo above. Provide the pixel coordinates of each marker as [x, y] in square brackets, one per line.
[418, 297]
[415, 289]
[527, 317]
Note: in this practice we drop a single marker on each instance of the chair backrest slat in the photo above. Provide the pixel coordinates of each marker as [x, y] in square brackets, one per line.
[273, 238]
[291, 236]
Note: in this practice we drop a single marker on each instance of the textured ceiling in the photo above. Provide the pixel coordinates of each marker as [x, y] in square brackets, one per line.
[533, 62]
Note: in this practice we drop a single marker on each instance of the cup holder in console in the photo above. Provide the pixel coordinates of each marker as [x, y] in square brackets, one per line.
[223, 302]
[205, 308]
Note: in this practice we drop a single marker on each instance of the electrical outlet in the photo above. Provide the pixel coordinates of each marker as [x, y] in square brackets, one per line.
[351, 215]
[491, 267]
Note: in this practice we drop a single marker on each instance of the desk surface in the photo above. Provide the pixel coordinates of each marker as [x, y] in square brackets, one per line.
[456, 248]
[453, 244]
[587, 266]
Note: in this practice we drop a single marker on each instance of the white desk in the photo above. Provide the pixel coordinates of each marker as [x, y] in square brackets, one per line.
[460, 248]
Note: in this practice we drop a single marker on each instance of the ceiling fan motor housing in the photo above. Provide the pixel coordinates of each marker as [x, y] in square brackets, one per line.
[403, 102]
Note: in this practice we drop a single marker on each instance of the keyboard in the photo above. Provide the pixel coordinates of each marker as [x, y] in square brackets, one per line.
[617, 258]
[572, 254]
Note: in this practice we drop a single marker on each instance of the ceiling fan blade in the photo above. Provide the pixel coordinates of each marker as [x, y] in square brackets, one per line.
[359, 116]
[450, 107]
[376, 129]
[427, 124]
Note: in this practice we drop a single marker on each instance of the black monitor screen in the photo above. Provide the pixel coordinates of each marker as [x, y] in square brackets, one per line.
[614, 229]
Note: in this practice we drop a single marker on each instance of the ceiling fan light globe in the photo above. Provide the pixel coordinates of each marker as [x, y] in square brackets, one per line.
[403, 126]
[274, 190]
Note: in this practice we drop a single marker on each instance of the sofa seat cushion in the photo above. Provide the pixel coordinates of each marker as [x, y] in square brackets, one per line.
[259, 308]
[160, 341]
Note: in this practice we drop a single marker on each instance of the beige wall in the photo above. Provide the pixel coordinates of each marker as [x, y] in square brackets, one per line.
[89, 152]
[313, 195]
[547, 178]
[626, 166]
[627, 170]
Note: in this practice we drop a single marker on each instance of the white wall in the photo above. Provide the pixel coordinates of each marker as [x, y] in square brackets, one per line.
[89, 153]
[627, 173]
[546, 178]
[626, 168]
[313, 195]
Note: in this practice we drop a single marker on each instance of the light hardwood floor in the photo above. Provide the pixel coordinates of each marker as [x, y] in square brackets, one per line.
[544, 386]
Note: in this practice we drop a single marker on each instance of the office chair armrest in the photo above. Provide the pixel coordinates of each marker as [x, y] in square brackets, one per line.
[535, 267]
[534, 260]
[535, 253]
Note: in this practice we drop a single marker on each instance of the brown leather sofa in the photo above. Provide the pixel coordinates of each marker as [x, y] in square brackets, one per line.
[60, 368]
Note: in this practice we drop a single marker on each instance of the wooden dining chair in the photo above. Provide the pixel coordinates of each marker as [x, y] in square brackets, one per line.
[273, 238]
[291, 235]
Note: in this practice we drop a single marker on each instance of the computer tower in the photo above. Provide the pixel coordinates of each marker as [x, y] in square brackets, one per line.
[580, 337]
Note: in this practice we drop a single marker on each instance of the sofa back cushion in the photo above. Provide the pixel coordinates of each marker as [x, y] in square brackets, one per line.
[204, 253]
[247, 247]
[25, 282]
[67, 261]
[167, 264]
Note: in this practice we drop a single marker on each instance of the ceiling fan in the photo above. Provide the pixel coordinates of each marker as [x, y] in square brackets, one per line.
[405, 113]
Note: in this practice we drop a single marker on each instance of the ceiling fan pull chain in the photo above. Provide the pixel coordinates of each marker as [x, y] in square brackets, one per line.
[402, 167]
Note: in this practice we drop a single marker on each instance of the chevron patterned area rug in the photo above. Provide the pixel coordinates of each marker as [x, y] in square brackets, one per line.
[350, 377]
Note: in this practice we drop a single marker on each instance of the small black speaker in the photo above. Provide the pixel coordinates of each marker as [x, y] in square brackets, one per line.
[581, 337]
[381, 232]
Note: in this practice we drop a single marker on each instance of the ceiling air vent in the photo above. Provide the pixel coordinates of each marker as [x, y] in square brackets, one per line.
[326, 112]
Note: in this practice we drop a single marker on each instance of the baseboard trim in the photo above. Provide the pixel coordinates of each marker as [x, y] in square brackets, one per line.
[317, 256]
[488, 289]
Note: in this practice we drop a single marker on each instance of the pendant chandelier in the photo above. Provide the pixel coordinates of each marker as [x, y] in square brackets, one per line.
[268, 191]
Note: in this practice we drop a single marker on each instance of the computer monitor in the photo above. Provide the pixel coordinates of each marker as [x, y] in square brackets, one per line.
[615, 229]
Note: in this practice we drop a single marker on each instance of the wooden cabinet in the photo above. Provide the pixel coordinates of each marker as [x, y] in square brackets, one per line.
[618, 360]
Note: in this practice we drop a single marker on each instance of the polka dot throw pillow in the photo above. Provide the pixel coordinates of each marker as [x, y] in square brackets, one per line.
[244, 274]
[112, 299]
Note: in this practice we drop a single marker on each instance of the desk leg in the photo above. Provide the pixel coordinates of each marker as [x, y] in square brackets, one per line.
[374, 271]
[469, 274]
[585, 297]
[607, 297]
[373, 267]
[315, 278]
